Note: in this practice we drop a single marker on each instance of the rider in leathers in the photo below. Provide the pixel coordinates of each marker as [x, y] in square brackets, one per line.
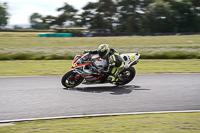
[115, 62]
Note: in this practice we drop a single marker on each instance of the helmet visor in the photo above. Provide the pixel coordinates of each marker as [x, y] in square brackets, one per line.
[103, 54]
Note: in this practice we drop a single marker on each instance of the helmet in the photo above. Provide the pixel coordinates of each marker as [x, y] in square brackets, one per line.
[103, 50]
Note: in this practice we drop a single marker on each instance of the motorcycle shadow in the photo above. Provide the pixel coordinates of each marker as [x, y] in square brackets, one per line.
[115, 90]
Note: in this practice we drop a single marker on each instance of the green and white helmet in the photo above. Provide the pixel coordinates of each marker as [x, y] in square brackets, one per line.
[103, 50]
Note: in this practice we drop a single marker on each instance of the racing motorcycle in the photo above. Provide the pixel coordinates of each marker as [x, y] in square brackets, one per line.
[83, 66]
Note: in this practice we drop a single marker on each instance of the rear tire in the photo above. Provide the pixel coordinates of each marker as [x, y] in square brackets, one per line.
[126, 76]
[68, 80]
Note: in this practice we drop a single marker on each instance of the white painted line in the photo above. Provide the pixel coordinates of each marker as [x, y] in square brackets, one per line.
[97, 115]
[6, 124]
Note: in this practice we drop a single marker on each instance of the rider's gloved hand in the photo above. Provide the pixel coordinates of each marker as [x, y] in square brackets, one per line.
[84, 52]
[89, 51]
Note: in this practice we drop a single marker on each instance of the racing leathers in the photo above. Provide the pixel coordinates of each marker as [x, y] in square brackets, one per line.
[115, 65]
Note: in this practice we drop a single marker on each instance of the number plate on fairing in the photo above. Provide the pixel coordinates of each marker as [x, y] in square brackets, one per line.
[129, 58]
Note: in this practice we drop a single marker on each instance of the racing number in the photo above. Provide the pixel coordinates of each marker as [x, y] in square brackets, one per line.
[74, 65]
[132, 58]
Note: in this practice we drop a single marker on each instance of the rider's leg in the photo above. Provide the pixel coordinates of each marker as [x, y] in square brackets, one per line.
[116, 70]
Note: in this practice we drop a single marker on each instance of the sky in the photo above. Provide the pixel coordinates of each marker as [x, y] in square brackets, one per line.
[21, 10]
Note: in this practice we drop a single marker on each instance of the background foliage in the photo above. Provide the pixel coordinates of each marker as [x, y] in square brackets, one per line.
[121, 16]
[3, 14]
[130, 16]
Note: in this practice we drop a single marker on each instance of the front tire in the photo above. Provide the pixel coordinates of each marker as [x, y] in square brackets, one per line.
[126, 76]
[68, 80]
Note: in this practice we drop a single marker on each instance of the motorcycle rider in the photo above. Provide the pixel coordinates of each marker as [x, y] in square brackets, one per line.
[115, 62]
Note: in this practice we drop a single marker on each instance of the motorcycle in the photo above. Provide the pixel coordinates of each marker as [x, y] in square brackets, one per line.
[83, 66]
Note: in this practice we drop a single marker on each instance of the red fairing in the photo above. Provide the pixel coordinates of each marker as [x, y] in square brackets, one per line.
[77, 76]
[98, 59]
[74, 64]
[77, 58]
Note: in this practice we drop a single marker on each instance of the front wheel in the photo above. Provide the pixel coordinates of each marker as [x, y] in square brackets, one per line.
[126, 76]
[68, 80]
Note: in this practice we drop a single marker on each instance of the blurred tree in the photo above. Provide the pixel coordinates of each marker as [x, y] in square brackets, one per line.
[130, 14]
[107, 9]
[36, 21]
[100, 14]
[61, 19]
[68, 14]
[17, 27]
[158, 17]
[196, 6]
[3, 14]
[67, 9]
[170, 16]
[88, 14]
[49, 21]
[98, 22]
[186, 18]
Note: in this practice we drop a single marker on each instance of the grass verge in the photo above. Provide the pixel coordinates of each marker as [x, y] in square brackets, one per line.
[150, 47]
[151, 123]
[22, 34]
[59, 67]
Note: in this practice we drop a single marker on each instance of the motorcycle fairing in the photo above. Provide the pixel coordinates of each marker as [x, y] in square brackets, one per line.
[100, 63]
[130, 59]
[78, 61]
[90, 78]
[81, 65]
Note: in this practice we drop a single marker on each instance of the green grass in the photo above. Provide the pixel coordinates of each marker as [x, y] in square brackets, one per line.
[59, 67]
[34, 67]
[21, 34]
[22, 46]
[150, 47]
[146, 123]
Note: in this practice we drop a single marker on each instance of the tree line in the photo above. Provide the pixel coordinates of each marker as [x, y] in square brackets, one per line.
[127, 16]
[3, 14]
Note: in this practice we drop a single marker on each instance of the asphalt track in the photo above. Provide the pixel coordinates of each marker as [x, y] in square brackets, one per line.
[44, 96]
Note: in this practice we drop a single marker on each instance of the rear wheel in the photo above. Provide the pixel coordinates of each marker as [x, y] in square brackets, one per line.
[68, 80]
[126, 76]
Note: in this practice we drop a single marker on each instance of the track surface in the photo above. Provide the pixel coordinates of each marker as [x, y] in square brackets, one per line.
[44, 96]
